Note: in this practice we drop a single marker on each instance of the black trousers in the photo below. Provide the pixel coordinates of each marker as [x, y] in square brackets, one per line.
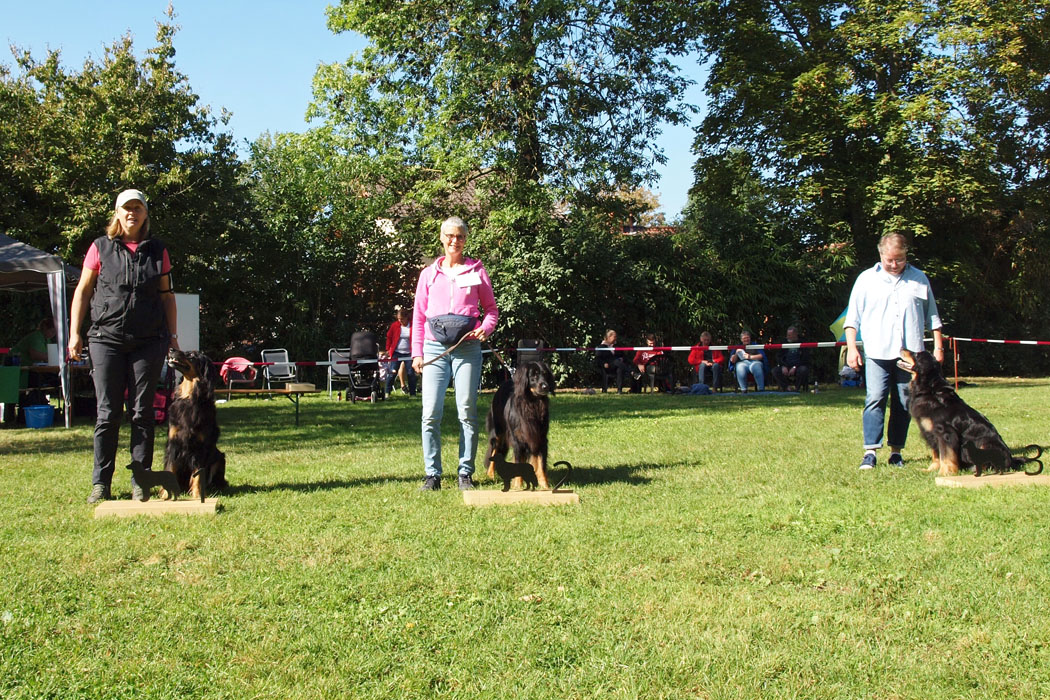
[135, 368]
[801, 377]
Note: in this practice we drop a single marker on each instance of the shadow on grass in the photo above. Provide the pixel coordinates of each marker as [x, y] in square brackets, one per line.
[630, 474]
[312, 486]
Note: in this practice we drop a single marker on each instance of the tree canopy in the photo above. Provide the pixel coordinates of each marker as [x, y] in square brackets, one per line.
[868, 116]
[828, 124]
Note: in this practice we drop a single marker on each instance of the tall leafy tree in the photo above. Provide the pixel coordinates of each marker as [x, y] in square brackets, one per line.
[873, 115]
[324, 261]
[72, 139]
[519, 115]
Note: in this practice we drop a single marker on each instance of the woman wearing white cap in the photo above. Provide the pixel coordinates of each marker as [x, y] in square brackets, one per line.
[126, 281]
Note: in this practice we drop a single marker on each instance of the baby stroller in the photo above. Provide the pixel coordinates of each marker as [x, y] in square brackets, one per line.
[364, 378]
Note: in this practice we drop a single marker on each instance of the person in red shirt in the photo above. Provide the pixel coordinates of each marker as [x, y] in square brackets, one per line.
[126, 283]
[644, 358]
[707, 362]
[399, 350]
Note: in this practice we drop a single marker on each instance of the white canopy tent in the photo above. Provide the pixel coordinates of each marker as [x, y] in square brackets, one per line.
[24, 268]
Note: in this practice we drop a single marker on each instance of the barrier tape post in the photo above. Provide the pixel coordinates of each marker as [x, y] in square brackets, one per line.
[955, 358]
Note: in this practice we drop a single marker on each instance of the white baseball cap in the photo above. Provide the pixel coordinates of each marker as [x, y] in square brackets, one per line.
[128, 195]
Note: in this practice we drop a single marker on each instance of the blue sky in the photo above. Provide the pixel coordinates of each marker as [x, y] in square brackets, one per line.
[256, 58]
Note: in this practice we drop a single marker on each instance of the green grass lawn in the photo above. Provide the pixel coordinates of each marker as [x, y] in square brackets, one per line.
[724, 547]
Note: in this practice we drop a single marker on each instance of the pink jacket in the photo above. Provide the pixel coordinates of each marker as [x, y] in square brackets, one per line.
[437, 293]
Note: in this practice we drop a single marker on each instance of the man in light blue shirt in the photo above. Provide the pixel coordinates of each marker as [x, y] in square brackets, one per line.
[892, 305]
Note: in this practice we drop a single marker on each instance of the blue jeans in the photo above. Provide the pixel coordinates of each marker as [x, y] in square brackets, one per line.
[410, 374]
[461, 368]
[885, 380]
[755, 368]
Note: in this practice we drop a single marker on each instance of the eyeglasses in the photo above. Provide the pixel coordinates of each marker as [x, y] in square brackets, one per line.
[456, 237]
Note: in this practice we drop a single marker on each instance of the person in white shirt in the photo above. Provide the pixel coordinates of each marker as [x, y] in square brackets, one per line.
[892, 305]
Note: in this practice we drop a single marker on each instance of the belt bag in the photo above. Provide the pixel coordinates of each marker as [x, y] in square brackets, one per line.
[449, 329]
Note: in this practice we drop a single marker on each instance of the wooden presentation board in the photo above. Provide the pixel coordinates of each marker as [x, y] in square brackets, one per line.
[969, 481]
[184, 506]
[490, 497]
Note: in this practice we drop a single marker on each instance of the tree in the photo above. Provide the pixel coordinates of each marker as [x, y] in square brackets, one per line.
[324, 262]
[71, 141]
[519, 115]
[569, 93]
[870, 116]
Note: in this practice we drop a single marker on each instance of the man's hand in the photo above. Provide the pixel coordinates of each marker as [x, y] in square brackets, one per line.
[853, 358]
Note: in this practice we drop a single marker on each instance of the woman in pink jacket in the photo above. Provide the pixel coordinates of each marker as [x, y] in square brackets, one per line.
[454, 304]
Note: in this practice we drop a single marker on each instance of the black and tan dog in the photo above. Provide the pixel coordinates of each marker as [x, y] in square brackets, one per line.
[519, 420]
[192, 453]
[958, 436]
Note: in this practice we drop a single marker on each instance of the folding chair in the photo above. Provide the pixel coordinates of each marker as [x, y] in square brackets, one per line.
[237, 370]
[338, 368]
[282, 370]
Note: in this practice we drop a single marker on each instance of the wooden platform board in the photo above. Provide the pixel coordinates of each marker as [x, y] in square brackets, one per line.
[491, 497]
[183, 506]
[969, 481]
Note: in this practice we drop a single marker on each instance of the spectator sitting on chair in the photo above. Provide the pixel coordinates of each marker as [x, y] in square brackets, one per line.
[707, 362]
[32, 348]
[746, 361]
[33, 345]
[792, 363]
[611, 362]
[644, 358]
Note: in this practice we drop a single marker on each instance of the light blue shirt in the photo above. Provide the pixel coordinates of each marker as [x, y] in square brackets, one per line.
[893, 312]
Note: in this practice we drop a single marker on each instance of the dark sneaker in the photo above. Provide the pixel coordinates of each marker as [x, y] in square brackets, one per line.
[137, 494]
[99, 493]
[431, 483]
[896, 460]
[868, 462]
[465, 483]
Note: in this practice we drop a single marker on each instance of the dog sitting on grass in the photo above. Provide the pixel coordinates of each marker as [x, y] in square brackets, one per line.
[958, 435]
[519, 420]
[192, 453]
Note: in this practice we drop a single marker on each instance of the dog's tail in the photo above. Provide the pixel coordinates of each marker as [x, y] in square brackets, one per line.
[1029, 454]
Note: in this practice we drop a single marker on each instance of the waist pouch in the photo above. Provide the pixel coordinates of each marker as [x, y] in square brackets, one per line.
[449, 329]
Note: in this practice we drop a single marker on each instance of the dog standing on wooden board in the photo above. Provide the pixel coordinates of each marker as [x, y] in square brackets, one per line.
[192, 453]
[958, 435]
[519, 420]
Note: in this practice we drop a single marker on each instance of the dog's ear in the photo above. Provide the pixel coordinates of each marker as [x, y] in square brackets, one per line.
[522, 378]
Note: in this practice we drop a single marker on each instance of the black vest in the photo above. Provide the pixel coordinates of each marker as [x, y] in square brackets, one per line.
[126, 304]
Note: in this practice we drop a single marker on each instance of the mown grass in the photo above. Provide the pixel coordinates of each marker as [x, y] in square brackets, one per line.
[725, 547]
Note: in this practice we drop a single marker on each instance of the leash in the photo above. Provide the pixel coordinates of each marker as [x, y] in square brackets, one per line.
[495, 353]
[433, 360]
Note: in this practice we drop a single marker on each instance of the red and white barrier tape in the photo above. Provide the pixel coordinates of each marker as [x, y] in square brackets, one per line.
[1000, 342]
[659, 348]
